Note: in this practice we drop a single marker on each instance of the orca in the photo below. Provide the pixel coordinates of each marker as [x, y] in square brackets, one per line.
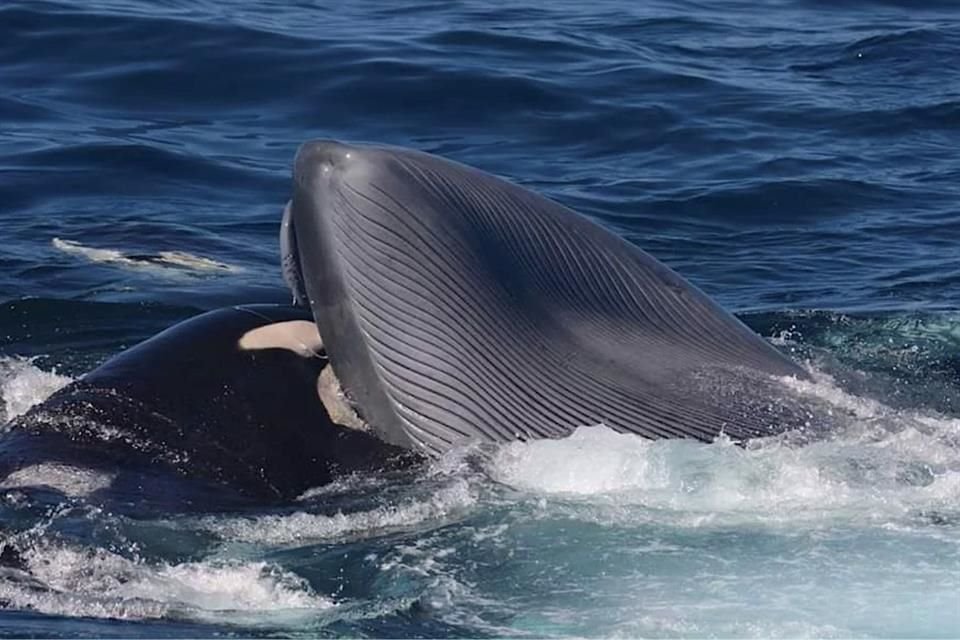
[230, 406]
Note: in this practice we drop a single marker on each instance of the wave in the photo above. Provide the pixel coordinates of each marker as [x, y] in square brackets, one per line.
[62, 580]
[301, 528]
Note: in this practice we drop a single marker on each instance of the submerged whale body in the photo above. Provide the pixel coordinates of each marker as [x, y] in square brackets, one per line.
[227, 406]
[456, 306]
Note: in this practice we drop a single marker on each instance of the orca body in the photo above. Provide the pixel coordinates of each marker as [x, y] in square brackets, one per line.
[222, 408]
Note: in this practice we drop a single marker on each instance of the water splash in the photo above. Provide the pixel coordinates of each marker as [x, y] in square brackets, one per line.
[882, 466]
[300, 527]
[67, 581]
[23, 384]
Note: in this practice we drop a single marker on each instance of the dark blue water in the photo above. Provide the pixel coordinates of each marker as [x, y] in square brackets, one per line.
[797, 159]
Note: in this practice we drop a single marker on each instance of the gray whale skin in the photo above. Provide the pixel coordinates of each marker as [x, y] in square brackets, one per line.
[456, 306]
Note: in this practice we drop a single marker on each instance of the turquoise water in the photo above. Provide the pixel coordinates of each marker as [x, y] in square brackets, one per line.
[796, 160]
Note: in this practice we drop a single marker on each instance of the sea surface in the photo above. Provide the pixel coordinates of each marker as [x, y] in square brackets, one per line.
[799, 160]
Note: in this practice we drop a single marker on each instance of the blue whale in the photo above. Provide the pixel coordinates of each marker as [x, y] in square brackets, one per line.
[456, 306]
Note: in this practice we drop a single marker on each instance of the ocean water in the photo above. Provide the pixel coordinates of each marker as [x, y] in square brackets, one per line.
[796, 159]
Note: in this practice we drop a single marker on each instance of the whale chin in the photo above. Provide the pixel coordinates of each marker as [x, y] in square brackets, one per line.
[456, 306]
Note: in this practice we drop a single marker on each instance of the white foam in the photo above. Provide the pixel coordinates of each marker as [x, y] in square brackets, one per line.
[301, 527]
[97, 583]
[75, 482]
[591, 460]
[884, 465]
[678, 626]
[848, 536]
[163, 259]
[824, 388]
[23, 384]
